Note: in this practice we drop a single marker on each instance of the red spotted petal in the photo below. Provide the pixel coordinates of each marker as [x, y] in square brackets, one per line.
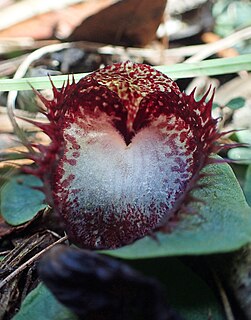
[127, 148]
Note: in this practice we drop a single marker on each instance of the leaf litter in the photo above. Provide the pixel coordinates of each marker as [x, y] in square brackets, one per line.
[34, 236]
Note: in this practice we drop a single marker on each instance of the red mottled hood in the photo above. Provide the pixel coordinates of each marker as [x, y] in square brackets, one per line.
[126, 149]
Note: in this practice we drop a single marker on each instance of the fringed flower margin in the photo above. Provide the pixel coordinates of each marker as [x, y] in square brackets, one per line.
[131, 107]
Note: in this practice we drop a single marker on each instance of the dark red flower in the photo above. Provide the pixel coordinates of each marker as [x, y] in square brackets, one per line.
[127, 146]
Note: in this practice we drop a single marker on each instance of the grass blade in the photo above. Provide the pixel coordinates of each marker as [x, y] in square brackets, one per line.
[178, 71]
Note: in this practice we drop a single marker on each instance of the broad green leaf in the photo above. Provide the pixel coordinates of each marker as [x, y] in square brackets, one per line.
[244, 136]
[236, 103]
[241, 154]
[222, 224]
[247, 185]
[19, 201]
[186, 292]
[179, 70]
[40, 304]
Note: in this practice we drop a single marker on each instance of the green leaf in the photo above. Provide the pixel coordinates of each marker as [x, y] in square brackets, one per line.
[215, 105]
[247, 185]
[179, 70]
[222, 224]
[187, 293]
[40, 304]
[230, 16]
[241, 155]
[19, 201]
[236, 103]
[244, 136]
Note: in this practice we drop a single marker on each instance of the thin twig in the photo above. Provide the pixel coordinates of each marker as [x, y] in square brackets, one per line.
[221, 44]
[145, 53]
[8, 67]
[10, 44]
[224, 298]
[3, 253]
[21, 71]
[29, 262]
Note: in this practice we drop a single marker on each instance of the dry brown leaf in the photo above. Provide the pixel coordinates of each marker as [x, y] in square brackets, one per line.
[127, 22]
[67, 19]
[5, 228]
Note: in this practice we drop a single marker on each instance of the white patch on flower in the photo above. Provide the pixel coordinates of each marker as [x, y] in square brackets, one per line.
[162, 88]
[109, 173]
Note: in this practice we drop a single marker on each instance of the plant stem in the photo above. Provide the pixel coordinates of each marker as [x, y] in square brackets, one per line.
[180, 70]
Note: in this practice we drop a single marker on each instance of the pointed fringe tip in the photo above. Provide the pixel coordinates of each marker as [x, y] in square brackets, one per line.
[227, 146]
[203, 99]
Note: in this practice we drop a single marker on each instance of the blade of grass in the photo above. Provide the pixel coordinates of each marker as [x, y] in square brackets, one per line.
[5, 156]
[178, 71]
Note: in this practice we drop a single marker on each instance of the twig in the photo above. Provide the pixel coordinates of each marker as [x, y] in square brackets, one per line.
[224, 298]
[225, 43]
[2, 253]
[9, 44]
[21, 71]
[10, 66]
[29, 262]
[145, 53]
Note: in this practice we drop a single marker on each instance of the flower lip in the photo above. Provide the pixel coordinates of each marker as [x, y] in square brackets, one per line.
[127, 148]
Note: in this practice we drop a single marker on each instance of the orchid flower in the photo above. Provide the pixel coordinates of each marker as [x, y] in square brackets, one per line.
[127, 147]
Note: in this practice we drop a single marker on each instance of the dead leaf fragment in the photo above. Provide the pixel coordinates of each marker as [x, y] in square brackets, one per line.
[127, 22]
[66, 19]
[5, 228]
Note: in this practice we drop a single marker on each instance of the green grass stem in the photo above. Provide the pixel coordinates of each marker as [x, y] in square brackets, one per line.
[181, 70]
